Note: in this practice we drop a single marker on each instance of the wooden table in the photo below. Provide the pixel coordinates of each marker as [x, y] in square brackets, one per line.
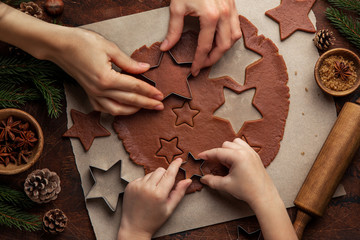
[341, 220]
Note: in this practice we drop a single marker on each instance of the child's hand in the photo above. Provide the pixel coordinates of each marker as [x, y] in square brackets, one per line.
[247, 179]
[149, 201]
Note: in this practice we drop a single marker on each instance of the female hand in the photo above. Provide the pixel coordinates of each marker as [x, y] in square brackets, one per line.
[88, 58]
[149, 201]
[219, 28]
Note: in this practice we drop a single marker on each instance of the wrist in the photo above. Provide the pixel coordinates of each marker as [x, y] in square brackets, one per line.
[128, 233]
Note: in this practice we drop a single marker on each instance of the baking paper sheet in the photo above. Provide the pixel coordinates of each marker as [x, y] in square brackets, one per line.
[311, 116]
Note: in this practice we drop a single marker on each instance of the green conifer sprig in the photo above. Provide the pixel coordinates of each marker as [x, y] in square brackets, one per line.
[13, 217]
[24, 78]
[347, 26]
[351, 5]
[15, 198]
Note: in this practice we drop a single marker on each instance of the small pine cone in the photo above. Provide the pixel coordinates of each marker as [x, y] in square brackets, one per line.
[31, 9]
[42, 186]
[324, 39]
[54, 221]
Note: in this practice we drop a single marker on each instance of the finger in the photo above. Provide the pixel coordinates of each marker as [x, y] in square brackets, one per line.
[223, 42]
[235, 25]
[231, 145]
[146, 177]
[178, 193]
[241, 143]
[134, 99]
[168, 180]
[215, 182]
[115, 108]
[205, 43]
[156, 176]
[223, 155]
[126, 63]
[176, 24]
[128, 83]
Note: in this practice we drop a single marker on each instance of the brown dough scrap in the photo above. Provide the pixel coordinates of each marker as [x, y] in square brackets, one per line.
[170, 77]
[86, 127]
[149, 55]
[183, 51]
[292, 15]
[141, 133]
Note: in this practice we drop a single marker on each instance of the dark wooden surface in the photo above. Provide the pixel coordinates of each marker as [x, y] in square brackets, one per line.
[341, 219]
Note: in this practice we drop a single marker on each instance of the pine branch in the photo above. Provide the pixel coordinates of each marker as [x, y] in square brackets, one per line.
[347, 26]
[351, 5]
[15, 198]
[15, 218]
[52, 95]
[14, 97]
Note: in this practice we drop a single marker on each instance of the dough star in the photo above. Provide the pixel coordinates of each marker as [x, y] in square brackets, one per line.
[192, 167]
[108, 185]
[170, 77]
[292, 15]
[169, 149]
[185, 114]
[86, 127]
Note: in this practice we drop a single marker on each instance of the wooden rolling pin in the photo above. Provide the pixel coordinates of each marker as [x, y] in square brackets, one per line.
[329, 167]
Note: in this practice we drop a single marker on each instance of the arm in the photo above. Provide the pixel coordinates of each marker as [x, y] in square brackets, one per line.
[149, 201]
[87, 57]
[248, 180]
[219, 28]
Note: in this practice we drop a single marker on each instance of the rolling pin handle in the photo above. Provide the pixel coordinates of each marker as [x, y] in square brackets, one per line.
[300, 223]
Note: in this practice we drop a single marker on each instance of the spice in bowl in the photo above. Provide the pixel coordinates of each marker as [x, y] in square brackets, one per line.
[17, 141]
[337, 73]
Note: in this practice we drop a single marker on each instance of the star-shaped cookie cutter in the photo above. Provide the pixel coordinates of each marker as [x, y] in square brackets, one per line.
[248, 234]
[190, 156]
[106, 188]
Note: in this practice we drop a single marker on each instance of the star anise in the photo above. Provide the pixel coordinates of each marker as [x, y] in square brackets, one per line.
[5, 158]
[342, 71]
[23, 156]
[9, 128]
[26, 139]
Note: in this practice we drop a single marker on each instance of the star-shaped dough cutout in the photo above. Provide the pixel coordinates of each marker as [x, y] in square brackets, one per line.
[86, 127]
[169, 71]
[192, 167]
[292, 15]
[108, 185]
[169, 149]
[185, 114]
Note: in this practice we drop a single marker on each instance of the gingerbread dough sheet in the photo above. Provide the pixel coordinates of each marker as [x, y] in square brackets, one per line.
[310, 118]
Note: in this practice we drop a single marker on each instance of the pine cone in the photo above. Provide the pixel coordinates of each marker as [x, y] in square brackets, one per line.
[31, 9]
[54, 221]
[42, 186]
[323, 39]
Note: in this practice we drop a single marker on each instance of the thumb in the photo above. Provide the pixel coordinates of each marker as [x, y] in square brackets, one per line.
[126, 63]
[178, 193]
[215, 182]
[176, 24]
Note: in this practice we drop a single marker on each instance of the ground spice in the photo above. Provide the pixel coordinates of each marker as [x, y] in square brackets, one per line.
[328, 76]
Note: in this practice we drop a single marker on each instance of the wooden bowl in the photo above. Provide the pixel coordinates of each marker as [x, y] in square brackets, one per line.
[12, 168]
[346, 54]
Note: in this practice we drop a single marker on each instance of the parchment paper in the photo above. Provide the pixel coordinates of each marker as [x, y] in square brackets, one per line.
[311, 116]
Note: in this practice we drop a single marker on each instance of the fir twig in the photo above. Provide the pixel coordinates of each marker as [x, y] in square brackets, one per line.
[51, 95]
[15, 198]
[347, 26]
[11, 97]
[13, 217]
[351, 5]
